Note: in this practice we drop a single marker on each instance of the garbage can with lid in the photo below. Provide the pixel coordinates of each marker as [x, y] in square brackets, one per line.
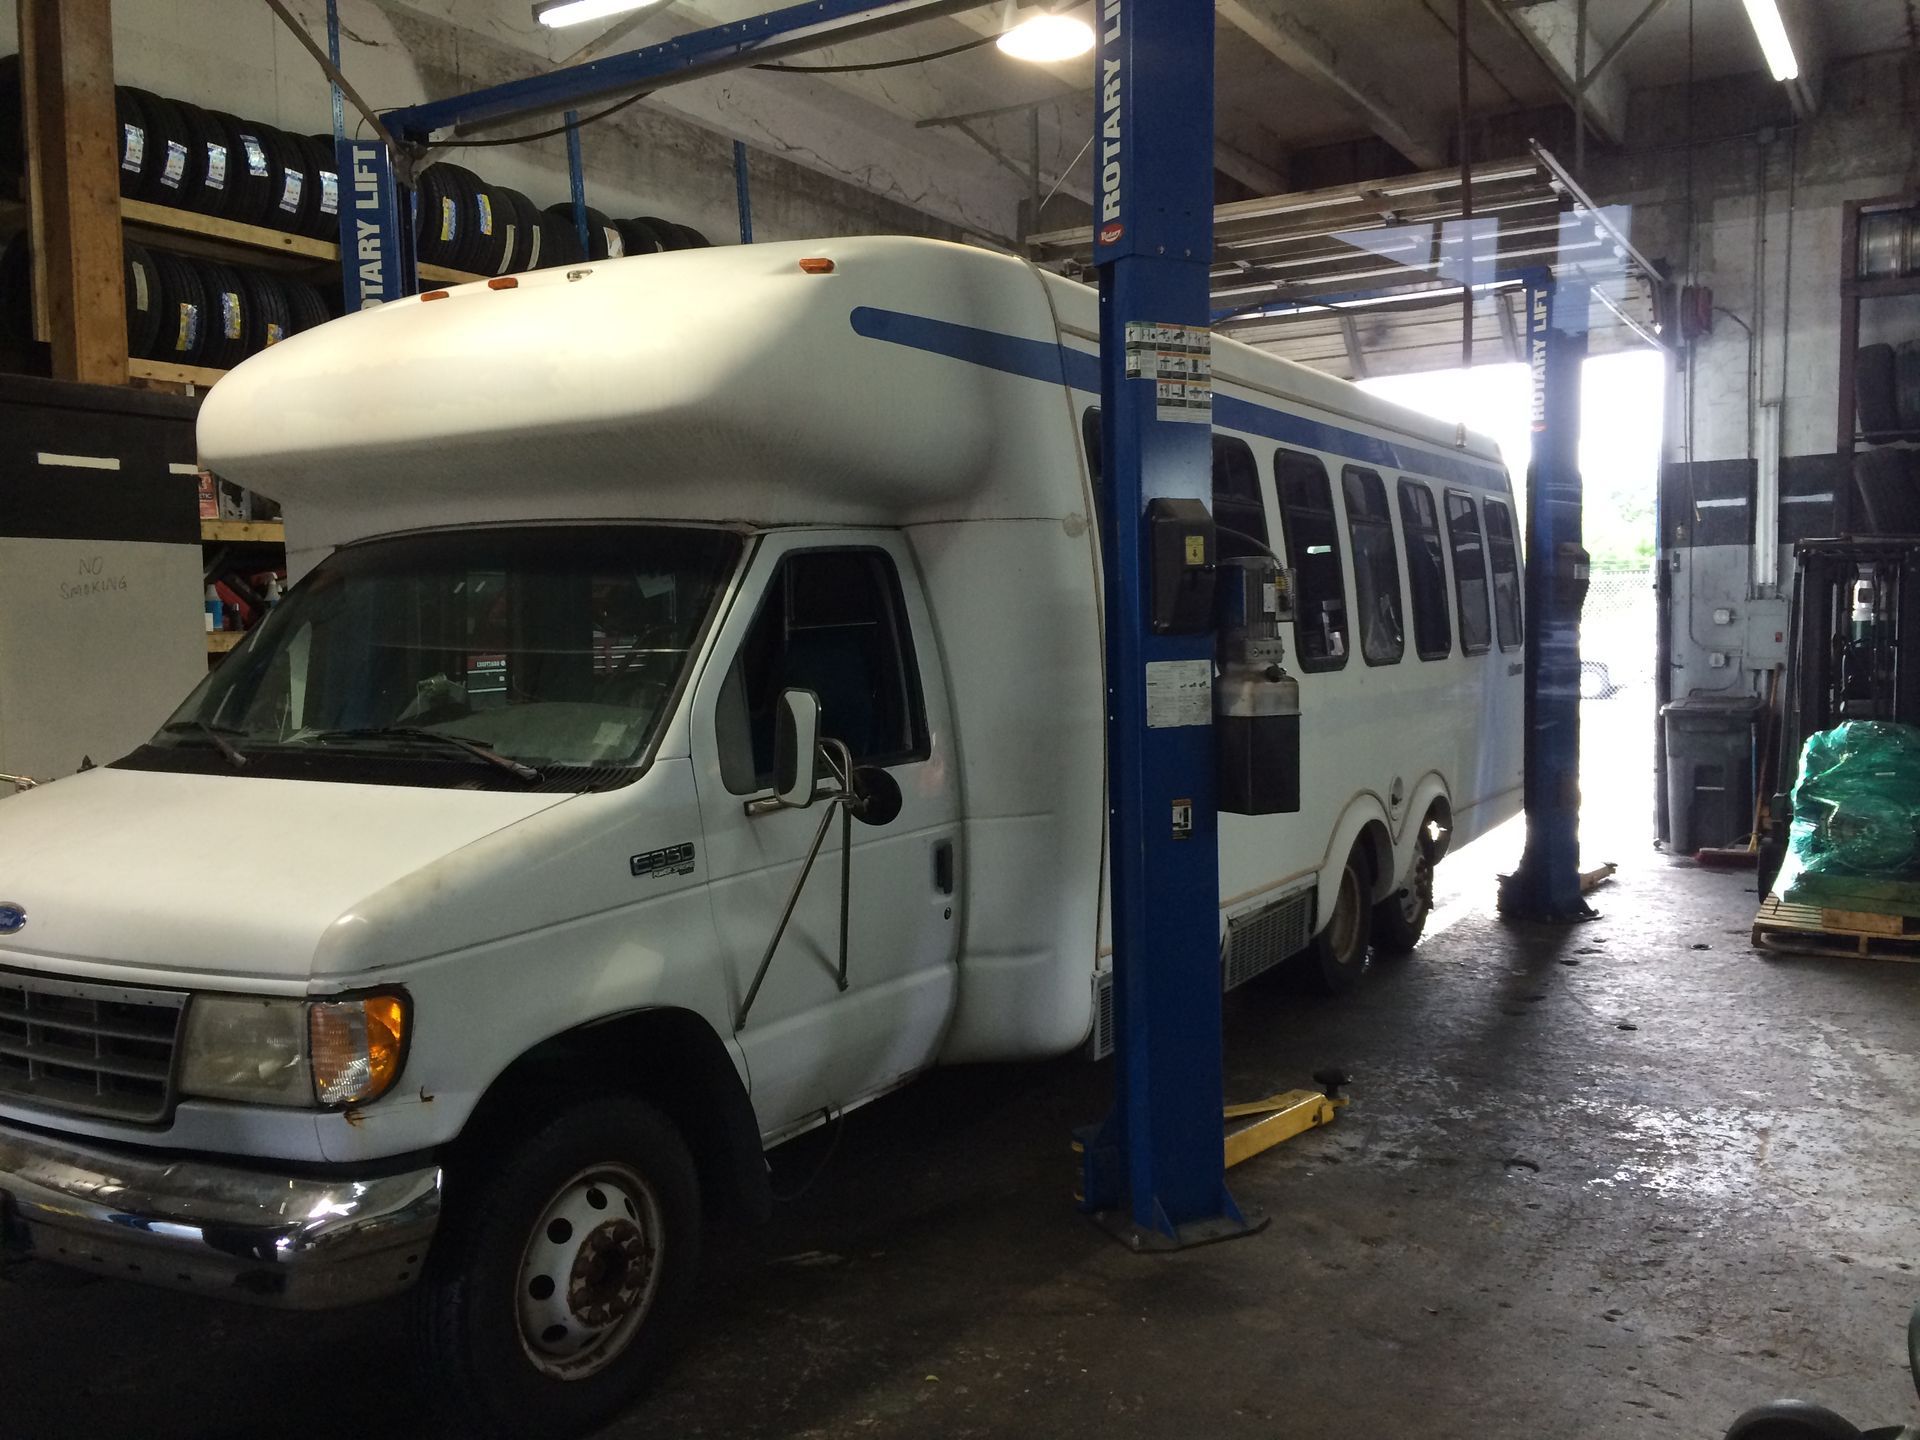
[1709, 741]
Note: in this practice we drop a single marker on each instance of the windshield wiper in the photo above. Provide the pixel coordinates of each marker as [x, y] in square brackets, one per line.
[459, 742]
[216, 733]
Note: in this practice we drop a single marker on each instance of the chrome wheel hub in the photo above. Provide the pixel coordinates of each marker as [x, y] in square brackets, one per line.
[1417, 898]
[589, 1273]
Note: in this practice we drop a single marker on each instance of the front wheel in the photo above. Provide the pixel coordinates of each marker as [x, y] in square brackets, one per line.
[552, 1285]
[1401, 918]
[1336, 958]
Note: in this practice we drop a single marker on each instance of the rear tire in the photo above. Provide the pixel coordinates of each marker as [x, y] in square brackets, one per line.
[549, 1298]
[1336, 959]
[1401, 919]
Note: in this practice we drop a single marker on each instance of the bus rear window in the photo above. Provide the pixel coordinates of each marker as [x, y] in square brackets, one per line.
[1376, 566]
[1469, 573]
[1426, 572]
[1505, 556]
[1313, 550]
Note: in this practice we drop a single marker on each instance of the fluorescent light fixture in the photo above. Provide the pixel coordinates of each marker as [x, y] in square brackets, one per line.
[1772, 30]
[577, 12]
[1044, 39]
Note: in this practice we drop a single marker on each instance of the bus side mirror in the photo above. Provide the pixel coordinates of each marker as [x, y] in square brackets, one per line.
[796, 748]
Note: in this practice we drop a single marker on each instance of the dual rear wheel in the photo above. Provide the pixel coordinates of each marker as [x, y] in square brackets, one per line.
[1338, 957]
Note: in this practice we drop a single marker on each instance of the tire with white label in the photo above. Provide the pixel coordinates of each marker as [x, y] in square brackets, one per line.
[143, 300]
[548, 1301]
[183, 311]
[438, 233]
[253, 171]
[559, 242]
[323, 220]
[210, 161]
[227, 314]
[135, 142]
[166, 178]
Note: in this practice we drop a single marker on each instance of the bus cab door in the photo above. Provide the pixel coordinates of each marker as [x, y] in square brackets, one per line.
[841, 615]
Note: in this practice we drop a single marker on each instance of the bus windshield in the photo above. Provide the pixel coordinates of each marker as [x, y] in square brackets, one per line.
[543, 657]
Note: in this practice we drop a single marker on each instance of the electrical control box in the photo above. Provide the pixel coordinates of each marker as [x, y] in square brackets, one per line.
[1766, 622]
[1180, 544]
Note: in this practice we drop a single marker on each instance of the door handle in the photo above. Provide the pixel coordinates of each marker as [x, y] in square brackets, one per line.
[943, 867]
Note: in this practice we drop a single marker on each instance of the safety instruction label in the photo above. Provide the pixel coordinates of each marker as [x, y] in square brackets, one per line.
[1179, 361]
[1179, 692]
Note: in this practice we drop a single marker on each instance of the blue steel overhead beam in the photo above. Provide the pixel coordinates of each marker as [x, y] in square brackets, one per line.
[790, 31]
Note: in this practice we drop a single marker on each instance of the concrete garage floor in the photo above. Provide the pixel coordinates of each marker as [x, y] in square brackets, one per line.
[1597, 1181]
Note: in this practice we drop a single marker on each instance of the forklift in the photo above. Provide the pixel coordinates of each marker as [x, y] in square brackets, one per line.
[1855, 603]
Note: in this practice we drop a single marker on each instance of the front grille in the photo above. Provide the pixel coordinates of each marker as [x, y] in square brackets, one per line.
[99, 1049]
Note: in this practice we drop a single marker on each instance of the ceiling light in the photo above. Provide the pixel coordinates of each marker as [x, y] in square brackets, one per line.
[575, 12]
[1772, 30]
[1045, 39]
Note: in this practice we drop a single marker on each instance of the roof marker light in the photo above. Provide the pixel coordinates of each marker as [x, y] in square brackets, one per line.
[434, 295]
[503, 282]
[816, 265]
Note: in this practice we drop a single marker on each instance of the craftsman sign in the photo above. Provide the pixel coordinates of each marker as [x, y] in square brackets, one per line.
[372, 263]
[1178, 359]
[1112, 225]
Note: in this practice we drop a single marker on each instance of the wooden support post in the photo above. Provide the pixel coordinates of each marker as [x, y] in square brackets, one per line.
[66, 50]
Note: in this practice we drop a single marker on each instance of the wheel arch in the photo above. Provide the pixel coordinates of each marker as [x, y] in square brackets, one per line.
[1363, 825]
[671, 1058]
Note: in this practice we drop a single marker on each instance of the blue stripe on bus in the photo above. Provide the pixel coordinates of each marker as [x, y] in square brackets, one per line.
[1060, 365]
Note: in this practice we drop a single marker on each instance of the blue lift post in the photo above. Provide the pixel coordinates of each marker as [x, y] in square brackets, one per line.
[1155, 1169]
[1546, 885]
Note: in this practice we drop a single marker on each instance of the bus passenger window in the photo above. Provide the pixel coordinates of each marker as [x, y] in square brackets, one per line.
[1469, 573]
[1237, 505]
[1426, 572]
[1506, 574]
[1376, 566]
[1313, 550]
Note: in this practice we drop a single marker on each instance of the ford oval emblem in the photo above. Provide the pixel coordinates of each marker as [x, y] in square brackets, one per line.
[13, 918]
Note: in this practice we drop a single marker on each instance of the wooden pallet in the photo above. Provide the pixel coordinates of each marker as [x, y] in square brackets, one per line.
[1784, 929]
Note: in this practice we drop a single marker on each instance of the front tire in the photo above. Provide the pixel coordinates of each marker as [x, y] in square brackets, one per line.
[1336, 958]
[1401, 919]
[550, 1293]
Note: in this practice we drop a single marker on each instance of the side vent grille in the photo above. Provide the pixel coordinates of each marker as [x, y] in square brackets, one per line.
[1261, 939]
[1100, 1044]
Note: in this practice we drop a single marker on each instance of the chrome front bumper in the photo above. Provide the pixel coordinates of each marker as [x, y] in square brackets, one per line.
[285, 1240]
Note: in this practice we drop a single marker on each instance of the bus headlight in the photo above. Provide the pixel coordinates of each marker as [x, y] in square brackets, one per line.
[293, 1052]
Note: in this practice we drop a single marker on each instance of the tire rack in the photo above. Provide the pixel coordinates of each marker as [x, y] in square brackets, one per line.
[1854, 290]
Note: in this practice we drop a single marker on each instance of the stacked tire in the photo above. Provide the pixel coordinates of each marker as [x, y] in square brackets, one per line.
[183, 309]
[463, 222]
[179, 154]
[175, 153]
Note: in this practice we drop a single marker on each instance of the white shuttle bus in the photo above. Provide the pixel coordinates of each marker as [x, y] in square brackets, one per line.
[506, 996]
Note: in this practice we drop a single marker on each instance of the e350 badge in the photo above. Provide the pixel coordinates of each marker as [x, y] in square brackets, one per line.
[658, 864]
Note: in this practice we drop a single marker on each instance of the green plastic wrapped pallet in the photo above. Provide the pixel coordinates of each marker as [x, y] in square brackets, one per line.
[1855, 839]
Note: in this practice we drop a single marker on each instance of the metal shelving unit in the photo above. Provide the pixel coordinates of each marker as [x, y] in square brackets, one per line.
[1855, 290]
